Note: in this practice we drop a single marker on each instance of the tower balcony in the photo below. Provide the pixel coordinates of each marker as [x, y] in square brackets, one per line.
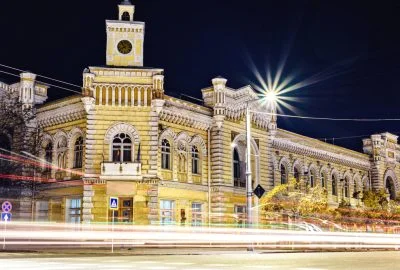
[127, 171]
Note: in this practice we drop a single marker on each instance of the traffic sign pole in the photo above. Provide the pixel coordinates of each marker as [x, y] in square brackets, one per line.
[112, 232]
[5, 231]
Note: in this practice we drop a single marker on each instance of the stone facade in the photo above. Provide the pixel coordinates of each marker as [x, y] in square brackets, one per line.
[170, 160]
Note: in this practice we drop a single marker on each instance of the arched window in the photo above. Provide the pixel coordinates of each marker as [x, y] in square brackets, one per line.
[126, 16]
[165, 155]
[283, 175]
[236, 168]
[334, 185]
[390, 188]
[78, 153]
[312, 179]
[48, 156]
[195, 160]
[323, 179]
[346, 187]
[296, 176]
[122, 148]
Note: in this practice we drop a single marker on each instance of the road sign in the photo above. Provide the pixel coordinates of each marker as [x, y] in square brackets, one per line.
[6, 206]
[259, 191]
[6, 217]
[113, 203]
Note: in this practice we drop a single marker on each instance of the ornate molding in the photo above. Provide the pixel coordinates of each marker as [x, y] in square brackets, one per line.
[122, 128]
[55, 115]
[184, 117]
[287, 145]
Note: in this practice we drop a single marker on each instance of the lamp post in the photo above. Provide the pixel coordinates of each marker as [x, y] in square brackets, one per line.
[249, 188]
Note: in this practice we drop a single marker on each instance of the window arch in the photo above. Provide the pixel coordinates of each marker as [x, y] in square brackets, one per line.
[238, 181]
[323, 179]
[165, 155]
[61, 153]
[196, 169]
[346, 187]
[125, 16]
[334, 185]
[48, 156]
[78, 153]
[296, 175]
[283, 174]
[312, 179]
[122, 148]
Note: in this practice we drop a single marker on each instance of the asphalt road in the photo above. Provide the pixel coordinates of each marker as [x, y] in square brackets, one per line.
[242, 260]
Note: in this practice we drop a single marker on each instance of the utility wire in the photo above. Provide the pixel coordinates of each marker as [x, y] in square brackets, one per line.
[330, 118]
[53, 85]
[49, 78]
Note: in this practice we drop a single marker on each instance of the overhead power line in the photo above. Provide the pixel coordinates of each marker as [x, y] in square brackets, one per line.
[49, 78]
[330, 118]
[53, 85]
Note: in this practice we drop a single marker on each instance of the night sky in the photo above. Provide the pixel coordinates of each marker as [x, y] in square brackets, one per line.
[354, 45]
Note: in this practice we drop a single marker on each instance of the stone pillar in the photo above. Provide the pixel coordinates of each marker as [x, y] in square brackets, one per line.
[88, 194]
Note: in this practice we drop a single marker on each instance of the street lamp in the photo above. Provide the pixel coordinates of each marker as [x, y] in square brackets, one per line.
[271, 98]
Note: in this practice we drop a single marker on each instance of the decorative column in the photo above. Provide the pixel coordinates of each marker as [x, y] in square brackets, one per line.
[89, 172]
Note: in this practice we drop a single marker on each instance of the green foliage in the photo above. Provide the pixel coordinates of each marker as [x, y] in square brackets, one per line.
[375, 200]
[289, 200]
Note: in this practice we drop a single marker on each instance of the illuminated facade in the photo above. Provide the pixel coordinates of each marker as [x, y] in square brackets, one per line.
[172, 161]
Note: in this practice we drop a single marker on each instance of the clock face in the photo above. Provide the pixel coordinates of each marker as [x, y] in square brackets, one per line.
[124, 47]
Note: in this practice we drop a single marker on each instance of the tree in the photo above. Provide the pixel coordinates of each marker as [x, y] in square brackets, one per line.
[290, 201]
[18, 132]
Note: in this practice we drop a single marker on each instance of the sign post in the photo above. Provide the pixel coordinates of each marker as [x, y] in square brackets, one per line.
[113, 207]
[5, 217]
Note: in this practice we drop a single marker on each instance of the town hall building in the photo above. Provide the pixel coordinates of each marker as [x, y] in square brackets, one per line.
[169, 160]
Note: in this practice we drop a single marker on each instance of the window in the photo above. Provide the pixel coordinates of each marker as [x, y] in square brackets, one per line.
[296, 175]
[167, 212]
[323, 180]
[196, 214]
[122, 148]
[73, 210]
[42, 210]
[126, 16]
[165, 155]
[346, 187]
[48, 156]
[125, 211]
[312, 179]
[240, 214]
[195, 160]
[238, 181]
[283, 175]
[334, 186]
[78, 153]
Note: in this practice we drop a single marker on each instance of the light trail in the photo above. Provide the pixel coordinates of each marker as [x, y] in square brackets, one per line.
[50, 235]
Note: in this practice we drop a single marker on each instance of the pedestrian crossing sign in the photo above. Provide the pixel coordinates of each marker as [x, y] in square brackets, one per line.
[113, 203]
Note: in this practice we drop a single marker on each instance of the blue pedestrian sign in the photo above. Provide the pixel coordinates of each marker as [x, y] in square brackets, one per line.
[6, 217]
[113, 203]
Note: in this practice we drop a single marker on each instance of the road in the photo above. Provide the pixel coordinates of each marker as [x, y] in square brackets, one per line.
[238, 260]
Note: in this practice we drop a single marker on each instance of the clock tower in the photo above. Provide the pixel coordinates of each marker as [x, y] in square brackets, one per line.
[125, 38]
